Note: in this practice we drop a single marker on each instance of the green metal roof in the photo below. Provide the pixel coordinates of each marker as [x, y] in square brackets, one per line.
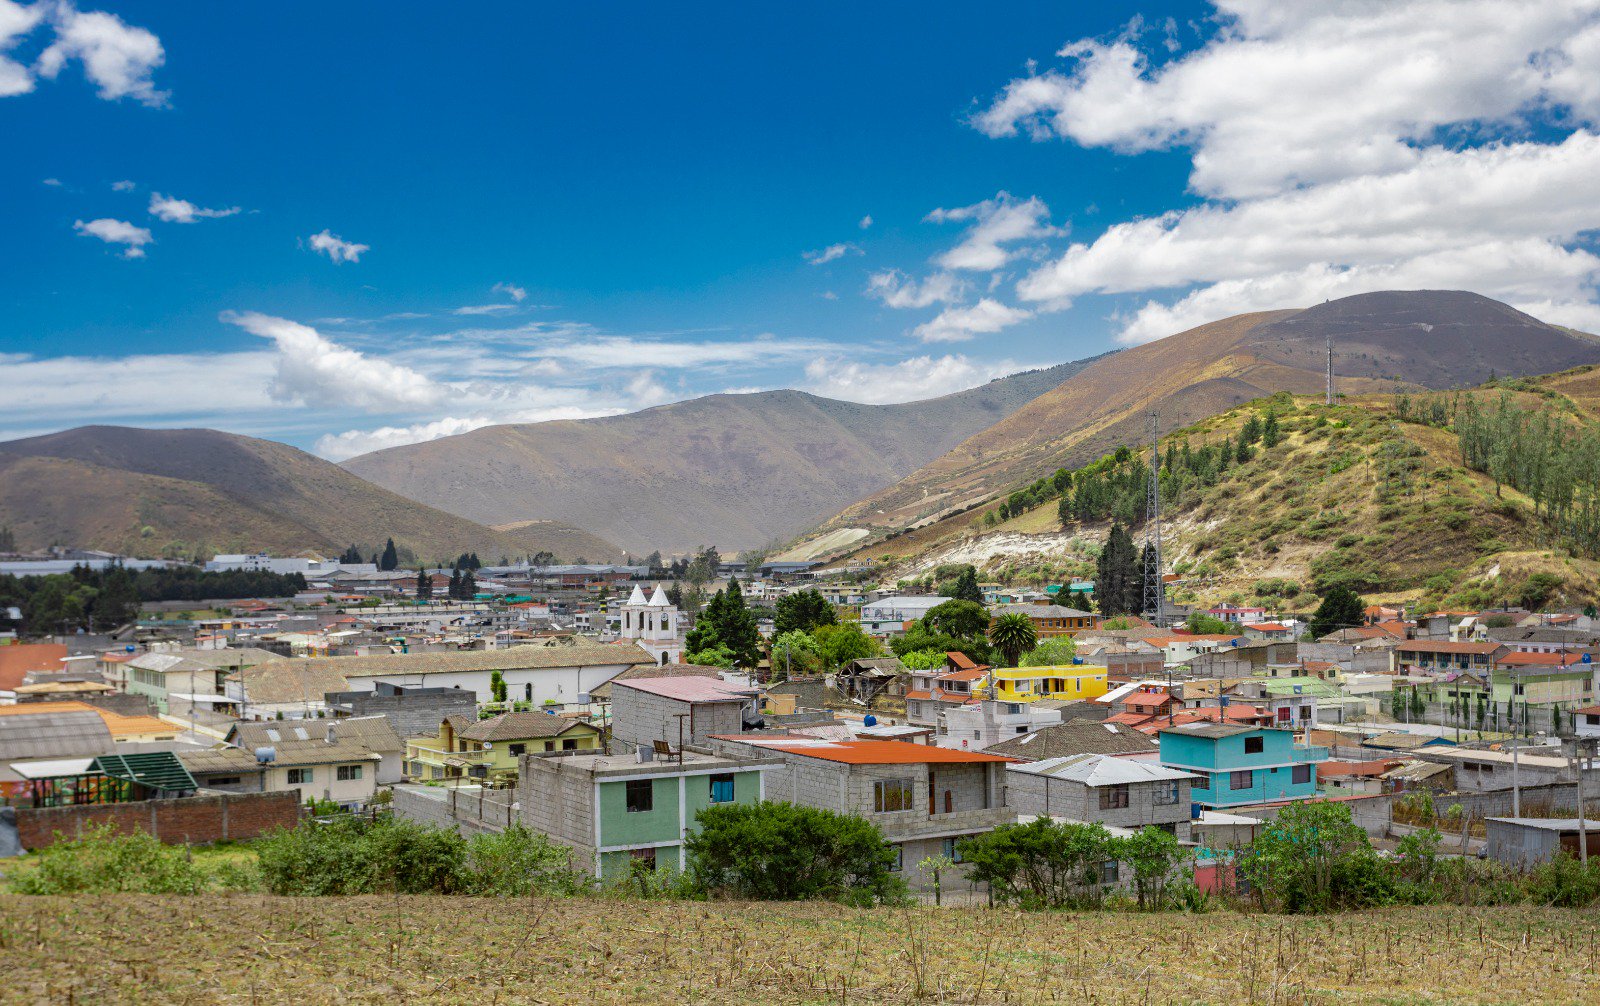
[155, 769]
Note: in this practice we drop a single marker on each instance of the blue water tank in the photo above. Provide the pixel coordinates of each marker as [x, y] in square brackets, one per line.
[869, 720]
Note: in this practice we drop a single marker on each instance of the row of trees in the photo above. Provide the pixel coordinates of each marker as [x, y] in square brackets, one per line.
[102, 599]
[1542, 456]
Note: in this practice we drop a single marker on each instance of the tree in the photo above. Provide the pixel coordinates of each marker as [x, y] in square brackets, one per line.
[652, 562]
[1013, 635]
[783, 852]
[803, 612]
[966, 588]
[1271, 435]
[497, 686]
[424, 584]
[454, 590]
[961, 619]
[1208, 625]
[1041, 864]
[794, 652]
[1251, 432]
[840, 644]
[1057, 651]
[469, 585]
[351, 556]
[727, 623]
[1152, 856]
[1315, 858]
[1341, 608]
[391, 558]
[1118, 584]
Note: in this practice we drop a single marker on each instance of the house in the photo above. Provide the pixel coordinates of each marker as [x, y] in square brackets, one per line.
[1237, 614]
[1586, 721]
[1119, 792]
[924, 799]
[1483, 771]
[179, 681]
[864, 679]
[18, 660]
[977, 726]
[1077, 737]
[616, 810]
[558, 675]
[340, 771]
[1270, 632]
[1053, 620]
[375, 733]
[48, 736]
[1354, 778]
[933, 692]
[1067, 682]
[888, 616]
[466, 749]
[680, 710]
[1182, 647]
[1132, 658]
[411, 711]
[1435, 654]
[1236, 764]
[1522, 842]
[1291, 701]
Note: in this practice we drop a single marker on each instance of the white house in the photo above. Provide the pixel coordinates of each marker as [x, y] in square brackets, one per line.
[887, 616]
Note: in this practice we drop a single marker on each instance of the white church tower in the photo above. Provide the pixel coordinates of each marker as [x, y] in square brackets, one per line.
[653, 625]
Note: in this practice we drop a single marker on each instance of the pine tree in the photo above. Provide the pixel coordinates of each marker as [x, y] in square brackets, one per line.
[469, 585]
[1341, 608]
[424, 584]
[966, 588]
[1270, 433]
[391, 558]
[454, 590]
[1117, 577]
[1251, 431]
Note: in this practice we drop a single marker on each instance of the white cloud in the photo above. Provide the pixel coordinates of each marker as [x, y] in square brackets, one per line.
[349, 444]
[180, 211]
[122, 186]
[516, 293]
[54, 183]
[828, 254]
[619, 351]
[336, 248]
[958, 324]
[119, 58]
[995, 222]
[484, 309]
[645, 391]
[117, 232]
[866, 222]
[898, 290]
[311, 369]
[1342, 154]
[16, 22]
[909, 380]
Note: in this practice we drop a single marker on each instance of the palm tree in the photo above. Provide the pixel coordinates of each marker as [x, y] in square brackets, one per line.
[1013, 635]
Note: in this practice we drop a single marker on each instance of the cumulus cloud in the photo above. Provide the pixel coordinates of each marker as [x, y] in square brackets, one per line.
[866, 222]
[995, 223]
[828, 254]
[122, 186]
[311, 369]
[119, 58]
[16, 22]
[958, 324]
[117, 232]
[336, 248]
[349, 444]
[1338, 153]
[180, 211]
[906, 381]
[898, 290]
[516, 293]
[54, 183]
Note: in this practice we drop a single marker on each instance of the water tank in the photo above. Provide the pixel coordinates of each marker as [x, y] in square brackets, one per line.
[646, 753]
[264, 755]
[869, 720]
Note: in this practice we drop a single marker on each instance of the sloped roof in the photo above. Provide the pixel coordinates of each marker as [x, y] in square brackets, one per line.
[1076, 737]
[602, 691]
[519, 726]
[156, 769]
[53, 735]
[510, 658]
[18, 660]
[687, 688]
[868, 752]
[1103, 770]
[375, 732]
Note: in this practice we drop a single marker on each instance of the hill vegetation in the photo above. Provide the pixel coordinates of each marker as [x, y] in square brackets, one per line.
[186, 493]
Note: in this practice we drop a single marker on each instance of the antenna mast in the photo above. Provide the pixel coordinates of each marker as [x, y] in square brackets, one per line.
[1154, 586]
[1330, 368]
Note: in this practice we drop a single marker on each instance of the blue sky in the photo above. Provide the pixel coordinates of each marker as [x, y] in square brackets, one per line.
[353, 225]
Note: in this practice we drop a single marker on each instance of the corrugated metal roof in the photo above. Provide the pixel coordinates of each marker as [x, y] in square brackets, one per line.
[53, 735]
[866, 752]
[157, 769]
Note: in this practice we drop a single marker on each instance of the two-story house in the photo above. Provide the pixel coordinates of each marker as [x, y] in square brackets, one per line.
[1067, 682]
[468, 751]
[1116, 791]
[936, 690]
[1051, 620]
[977, 726]
[924, 799]
[1236, 764]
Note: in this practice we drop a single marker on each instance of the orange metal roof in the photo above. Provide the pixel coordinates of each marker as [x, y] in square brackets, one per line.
[971, 674]
[18, 659]
[868, 752]
[1550, 659]
[117, 723]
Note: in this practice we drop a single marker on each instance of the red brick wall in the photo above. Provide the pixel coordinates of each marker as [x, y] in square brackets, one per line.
[197, 819]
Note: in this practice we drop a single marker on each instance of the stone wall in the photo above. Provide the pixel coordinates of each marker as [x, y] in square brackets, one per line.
[414, 715]
[469, 810]
[211, 817]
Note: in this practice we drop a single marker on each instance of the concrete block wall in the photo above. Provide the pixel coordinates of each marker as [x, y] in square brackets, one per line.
[640, 717]
[1026, 794]
[557, 798]
[415, 715]
[469, 810]
[195, 819]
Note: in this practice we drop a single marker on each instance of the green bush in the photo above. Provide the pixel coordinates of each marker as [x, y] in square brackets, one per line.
[782, 852]
[104, 861]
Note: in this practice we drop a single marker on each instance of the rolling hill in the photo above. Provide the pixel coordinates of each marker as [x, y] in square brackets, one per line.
[153, 492]
[1382, 341]
[733, 470]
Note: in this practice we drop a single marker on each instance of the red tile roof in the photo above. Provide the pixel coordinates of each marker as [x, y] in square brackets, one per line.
[1349, 769]
[18, 660]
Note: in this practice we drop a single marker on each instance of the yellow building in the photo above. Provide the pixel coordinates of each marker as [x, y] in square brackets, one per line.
[465, 750]
[1027, 684]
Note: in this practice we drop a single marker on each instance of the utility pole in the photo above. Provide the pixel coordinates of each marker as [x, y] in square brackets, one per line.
[1330, 368]
[1516, 788]
[1154, 586]
[1578, 744]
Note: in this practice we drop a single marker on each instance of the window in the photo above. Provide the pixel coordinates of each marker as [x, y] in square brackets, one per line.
[1166, 794]
[645, 856]
[641, 796]
[952, 850]
[1300, 774]
[549, 745]
[891, 795]
[722, 788]
[297, 776]
[1202, 780]
[1113, 797]
[518, 750]
[1108, 872]
[1240, 780]
[1255, 745]
[349, 773]
[570, 744]
[226, 780]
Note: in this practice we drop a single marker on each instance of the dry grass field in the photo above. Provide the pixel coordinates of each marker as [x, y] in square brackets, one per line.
[256, 950]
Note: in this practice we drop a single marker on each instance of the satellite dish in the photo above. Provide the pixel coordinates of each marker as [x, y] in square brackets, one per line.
[488, 745]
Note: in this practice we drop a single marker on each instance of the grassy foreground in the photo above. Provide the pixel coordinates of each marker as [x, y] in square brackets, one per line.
[248, 949]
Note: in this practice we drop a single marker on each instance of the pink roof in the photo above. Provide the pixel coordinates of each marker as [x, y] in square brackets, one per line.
[688, 688]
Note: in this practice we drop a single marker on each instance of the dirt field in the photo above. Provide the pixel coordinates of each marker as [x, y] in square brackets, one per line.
[132, 949]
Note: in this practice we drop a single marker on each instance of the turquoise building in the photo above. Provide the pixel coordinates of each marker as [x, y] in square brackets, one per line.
[1235, 764]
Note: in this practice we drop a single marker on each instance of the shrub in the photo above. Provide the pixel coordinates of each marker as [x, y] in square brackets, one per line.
[106, 862]
[1041, 864]
[1314, 858]
[518, 862]
[782, 852]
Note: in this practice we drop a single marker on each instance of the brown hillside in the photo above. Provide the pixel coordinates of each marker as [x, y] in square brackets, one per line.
[1381, 341]
[153, 492]
[732, 470]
